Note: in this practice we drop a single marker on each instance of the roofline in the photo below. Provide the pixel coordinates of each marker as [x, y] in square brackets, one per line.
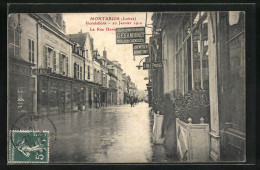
[40, 20]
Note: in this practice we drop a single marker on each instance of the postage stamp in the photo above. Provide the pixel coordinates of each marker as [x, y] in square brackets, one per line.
[29, 146]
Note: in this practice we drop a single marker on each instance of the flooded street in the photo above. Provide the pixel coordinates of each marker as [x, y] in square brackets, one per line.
[120, 134]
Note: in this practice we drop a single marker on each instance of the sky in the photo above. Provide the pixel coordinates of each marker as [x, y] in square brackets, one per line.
[123, 53]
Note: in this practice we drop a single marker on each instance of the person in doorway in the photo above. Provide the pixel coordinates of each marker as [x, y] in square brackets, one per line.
[169, 114]
[62, 104]
[95, 101]
[98, 102]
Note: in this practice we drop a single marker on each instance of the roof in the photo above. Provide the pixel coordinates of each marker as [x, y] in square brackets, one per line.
[113, 64]
[46, 17]
[80, 38]
[109, 62]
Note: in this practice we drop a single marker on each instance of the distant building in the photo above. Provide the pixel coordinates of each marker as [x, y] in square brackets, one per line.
[117, 70]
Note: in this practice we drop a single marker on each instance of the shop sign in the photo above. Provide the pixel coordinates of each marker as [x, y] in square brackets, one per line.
[152, 65]
[155, 65]
[140, 49]
[55, 41]
[41, 71]
[130, 35]
[146, 65]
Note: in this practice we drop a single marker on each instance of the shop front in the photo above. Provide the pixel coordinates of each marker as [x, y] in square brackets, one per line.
[54, 95]
[96, 97]
[78, 99]
[103, 97]
[20, 88]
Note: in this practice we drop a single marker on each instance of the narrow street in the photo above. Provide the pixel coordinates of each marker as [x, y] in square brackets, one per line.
[120, 134]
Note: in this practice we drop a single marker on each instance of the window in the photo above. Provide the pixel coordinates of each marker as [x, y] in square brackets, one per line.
[31, 50]
[88, 72]
[80, 72]
[75, 70]
[87, 53]
[63, 64]
[14, 43]
[83, 53]
[48, 53]
[74, 48]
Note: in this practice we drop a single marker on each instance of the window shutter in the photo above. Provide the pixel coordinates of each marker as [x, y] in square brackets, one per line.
[54, 61]
[29, 49]
[77, 71]
[44, 56]
[67, 65]
[60, 63]
[32, 55]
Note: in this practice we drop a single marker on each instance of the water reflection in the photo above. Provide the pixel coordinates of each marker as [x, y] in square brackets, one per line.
[118, 134]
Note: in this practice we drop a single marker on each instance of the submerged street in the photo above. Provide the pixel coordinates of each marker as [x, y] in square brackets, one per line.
[119, 134]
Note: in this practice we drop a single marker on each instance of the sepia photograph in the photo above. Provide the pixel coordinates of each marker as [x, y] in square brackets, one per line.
[126, 87]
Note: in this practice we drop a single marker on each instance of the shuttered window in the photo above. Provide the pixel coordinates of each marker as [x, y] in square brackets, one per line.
[14, 40]
[31, 50]
[54, 61]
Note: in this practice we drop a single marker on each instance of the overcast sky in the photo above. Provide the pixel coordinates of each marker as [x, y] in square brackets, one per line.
[107, 39]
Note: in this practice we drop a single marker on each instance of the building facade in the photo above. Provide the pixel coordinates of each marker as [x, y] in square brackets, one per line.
[51, 72]
[22, 58]
[116, 69]
[205, 51]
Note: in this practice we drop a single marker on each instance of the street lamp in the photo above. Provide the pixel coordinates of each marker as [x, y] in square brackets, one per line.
[139, 66]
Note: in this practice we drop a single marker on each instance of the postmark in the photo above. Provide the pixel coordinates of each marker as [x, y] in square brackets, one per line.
[33, 131]
[29, 146]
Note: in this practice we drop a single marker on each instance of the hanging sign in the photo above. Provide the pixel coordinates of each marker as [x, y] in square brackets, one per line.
[146, 65]
[140, 49]
[130, 35]
[152, 65]
[156, 65]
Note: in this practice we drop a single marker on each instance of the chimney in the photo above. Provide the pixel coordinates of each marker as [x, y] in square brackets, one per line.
[59, 20]
[80, 31]
[104, 53]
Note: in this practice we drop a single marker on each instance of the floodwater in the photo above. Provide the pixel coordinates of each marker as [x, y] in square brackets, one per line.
[119, 134]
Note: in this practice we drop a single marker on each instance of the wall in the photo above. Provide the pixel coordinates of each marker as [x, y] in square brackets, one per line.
[48, 38]
[169, 63]
[28, 31]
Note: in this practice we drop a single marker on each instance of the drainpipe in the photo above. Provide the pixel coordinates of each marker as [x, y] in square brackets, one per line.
[37, 86]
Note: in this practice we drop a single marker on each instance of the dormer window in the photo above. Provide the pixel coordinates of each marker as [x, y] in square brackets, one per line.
[87, 53]
[83, 53]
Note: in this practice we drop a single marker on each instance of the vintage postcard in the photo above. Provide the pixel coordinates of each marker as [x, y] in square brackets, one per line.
[127, 87]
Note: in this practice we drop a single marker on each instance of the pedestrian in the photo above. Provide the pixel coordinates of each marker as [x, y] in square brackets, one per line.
[96, 101]
[132, 102]
[169, 114]
[62, 104]
[90, 103]
[100, 102]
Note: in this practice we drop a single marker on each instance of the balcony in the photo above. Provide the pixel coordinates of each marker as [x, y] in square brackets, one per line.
[48, 71]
